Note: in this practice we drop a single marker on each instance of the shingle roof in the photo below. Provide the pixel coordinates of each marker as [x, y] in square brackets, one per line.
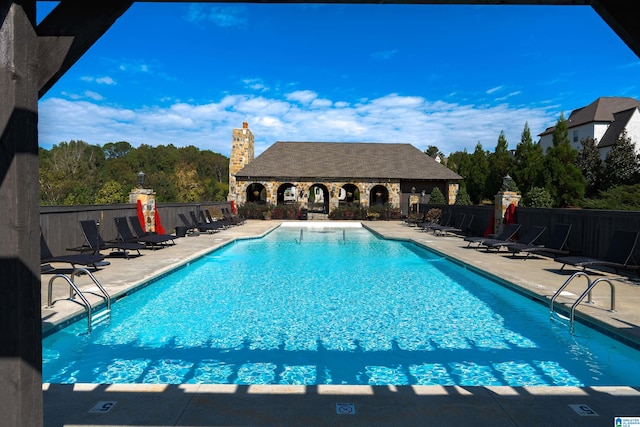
[345, 160]
[600, 110]
[619, 124]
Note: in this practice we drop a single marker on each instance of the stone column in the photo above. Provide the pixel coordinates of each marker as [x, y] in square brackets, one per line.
[502, 201]
[147, 198]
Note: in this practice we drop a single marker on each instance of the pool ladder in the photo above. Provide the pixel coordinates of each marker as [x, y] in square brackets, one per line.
[587, 292]
[73, 290]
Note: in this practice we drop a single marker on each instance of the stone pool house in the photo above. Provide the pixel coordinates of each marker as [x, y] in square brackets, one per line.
[321, 176]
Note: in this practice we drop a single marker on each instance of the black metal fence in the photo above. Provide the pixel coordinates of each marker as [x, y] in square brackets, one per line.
[61, 224]
[591, 229]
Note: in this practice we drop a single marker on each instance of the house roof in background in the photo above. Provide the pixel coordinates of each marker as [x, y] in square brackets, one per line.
[602, 109]
[620, 122]
[345, 160]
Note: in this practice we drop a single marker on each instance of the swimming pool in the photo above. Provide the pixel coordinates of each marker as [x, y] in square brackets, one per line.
[332, 306]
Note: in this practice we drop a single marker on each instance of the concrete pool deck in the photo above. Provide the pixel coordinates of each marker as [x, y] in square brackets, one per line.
[334, 405]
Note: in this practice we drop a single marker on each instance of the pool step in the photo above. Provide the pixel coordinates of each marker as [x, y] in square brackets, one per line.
[100, 317]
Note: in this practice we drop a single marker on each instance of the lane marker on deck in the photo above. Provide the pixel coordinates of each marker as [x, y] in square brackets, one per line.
[583, 410]
[103, 407]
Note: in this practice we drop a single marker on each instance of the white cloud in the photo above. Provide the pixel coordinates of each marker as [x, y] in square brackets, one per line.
[222, 16]
[384, 54]
[105, 80]
[301, 116]
[494, 89]
[302, 96]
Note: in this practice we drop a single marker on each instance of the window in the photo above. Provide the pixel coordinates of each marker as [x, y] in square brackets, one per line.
[575, 136]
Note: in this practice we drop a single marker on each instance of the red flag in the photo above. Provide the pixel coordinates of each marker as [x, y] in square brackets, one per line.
[159, 227]
[143, 223]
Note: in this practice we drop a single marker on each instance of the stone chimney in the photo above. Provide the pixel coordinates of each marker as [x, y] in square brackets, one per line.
[242, 152]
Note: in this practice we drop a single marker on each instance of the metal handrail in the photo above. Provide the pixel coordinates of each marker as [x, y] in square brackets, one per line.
[588, 291]
[73, 290]
[72, 286]
[566, 283]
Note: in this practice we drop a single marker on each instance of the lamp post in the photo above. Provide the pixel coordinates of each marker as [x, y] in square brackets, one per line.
[412, 198]
[141, 179]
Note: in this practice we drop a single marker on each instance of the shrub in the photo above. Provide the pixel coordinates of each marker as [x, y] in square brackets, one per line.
[463, 198]
[437, 198]
[537, 197]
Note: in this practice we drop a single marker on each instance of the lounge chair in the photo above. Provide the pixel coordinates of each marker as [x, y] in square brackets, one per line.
[555, 246]
[95, 243]
[239, 219]
[205, 226]
[140, 232]
[464, 229]
[507, 233]
[619, 254]
[126, 235]
[87, 260]
[528, 238]
[445, 221]
[205, 217]
[441, 229]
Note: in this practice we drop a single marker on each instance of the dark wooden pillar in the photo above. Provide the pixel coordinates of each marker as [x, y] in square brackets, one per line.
[20, 325]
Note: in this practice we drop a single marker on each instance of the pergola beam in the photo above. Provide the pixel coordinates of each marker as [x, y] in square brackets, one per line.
[69, 31]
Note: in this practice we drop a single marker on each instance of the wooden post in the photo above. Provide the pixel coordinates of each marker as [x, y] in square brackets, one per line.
[20, 319]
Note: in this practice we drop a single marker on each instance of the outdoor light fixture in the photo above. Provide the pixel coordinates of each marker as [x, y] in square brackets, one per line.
[507, 183]
[141, 179]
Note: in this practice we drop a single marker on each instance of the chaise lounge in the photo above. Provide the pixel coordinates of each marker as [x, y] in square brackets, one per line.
[619, 254]
[87, 260]
[95, 243]
[555, 246]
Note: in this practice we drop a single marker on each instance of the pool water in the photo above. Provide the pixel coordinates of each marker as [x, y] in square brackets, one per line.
[333, 306]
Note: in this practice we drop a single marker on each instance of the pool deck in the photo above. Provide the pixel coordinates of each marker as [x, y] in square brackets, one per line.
[335, 405]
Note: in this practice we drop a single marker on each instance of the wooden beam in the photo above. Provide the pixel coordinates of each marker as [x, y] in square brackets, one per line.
[69, 30]
[20, 318]
[622, 17]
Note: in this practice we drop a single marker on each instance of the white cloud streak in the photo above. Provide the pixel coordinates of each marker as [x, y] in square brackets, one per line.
[299, 116]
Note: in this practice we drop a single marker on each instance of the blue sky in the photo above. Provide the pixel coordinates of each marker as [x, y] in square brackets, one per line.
[443, 75]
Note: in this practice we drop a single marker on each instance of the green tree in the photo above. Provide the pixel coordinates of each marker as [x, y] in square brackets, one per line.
[478, 172]
[437, 198]
[590, 164]
[188, 184]
[462, 198]
[110, 193]
[433, 152]
[499, 165]
[565, 182]
[528, 163]
[621, 163]
[537, 197]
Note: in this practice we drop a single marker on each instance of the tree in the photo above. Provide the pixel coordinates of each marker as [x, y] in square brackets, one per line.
[621, 163]
[110, 193]
[537, 197]
[565, 182]
[528, 163]
[478, 172]
[462, 198]
[437, 198]
[499, 165]
[433, 152]
[590, 164]
[188, 183]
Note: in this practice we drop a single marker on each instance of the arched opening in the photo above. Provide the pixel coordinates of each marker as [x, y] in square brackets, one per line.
[349, 194]
[287, 194]
[256, 193]
[318, 199]
[379, 195]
